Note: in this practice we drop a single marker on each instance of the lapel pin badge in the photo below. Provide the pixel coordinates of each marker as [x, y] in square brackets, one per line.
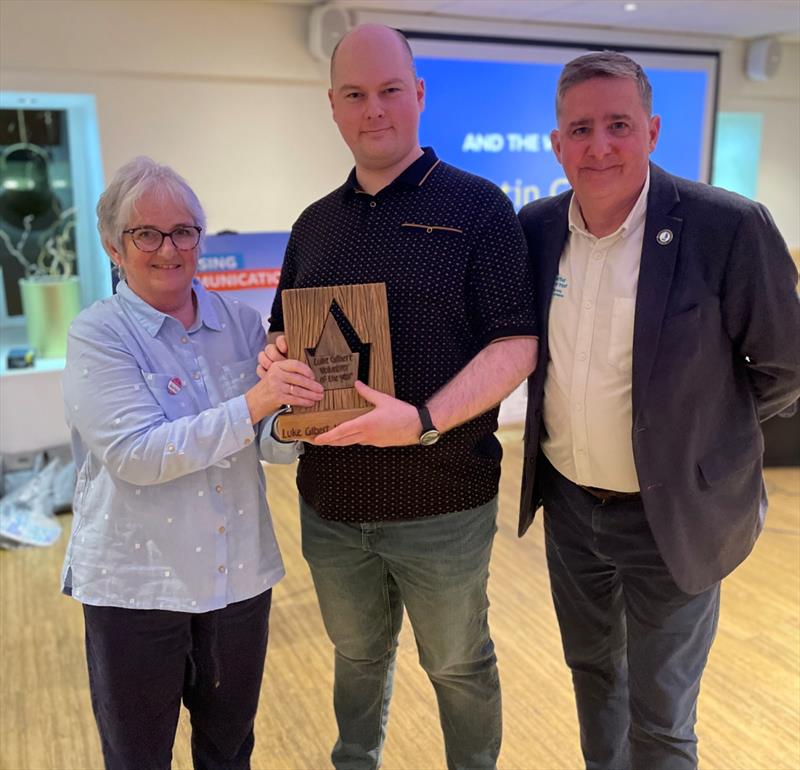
[664, 237]
[174, 386]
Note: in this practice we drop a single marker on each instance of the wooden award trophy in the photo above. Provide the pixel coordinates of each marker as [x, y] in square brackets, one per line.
[342, 333]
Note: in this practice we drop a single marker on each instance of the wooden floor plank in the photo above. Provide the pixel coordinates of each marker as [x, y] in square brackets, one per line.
[749, 711]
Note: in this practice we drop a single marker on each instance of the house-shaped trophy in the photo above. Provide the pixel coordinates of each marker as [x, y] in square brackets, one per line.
[342, 333]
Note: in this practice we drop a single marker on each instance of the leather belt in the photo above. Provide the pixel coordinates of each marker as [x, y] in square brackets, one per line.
[610, 496]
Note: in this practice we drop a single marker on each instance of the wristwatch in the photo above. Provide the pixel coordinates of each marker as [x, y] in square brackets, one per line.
[429, 433]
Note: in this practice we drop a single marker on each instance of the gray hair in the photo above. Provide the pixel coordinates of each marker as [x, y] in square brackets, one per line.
[400, 36]
[137, 178]
[604, 64]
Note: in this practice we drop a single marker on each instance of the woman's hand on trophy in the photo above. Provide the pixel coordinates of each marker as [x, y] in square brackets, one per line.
[286, 381]
[273, 353]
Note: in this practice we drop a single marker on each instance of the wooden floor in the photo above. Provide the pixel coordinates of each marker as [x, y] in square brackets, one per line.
[749, 712]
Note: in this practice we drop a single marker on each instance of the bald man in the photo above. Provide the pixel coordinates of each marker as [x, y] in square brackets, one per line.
[399, 506]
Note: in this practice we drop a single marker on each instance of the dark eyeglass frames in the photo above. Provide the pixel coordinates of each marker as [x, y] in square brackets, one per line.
[184, 238]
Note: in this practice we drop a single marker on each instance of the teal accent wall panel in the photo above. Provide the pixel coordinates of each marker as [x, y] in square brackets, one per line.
[737, 151]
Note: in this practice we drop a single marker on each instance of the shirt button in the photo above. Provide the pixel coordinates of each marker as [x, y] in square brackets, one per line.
[218, 487]
[184, 340]
[372, 204]
[221, 530]
[196, 375]
[588, 304]
[222, 568]
[170, 447]
[581, 356]
[578, 407]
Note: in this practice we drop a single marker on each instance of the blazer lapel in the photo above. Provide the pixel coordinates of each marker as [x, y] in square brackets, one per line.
[662, 234]
[554, 235]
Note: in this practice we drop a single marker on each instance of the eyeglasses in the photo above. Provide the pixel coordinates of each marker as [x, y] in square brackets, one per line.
[184, 238]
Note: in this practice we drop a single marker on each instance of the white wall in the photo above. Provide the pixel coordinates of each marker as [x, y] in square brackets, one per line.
[779, 101]
[227, 93]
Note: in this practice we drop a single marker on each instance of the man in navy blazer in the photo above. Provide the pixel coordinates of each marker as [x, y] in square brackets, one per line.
[670, 329]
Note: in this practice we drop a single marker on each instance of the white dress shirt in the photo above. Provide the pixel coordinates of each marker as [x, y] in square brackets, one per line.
[587, 394]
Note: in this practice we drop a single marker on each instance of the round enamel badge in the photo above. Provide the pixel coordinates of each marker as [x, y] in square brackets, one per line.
[664, 237]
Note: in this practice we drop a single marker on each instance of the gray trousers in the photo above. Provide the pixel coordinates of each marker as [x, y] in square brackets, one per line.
[635, 643]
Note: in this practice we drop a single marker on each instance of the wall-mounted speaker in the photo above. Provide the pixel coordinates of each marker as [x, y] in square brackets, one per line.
[763, 58]
[327, 24]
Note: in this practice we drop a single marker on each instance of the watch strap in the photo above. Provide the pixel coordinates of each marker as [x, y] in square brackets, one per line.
[425, 419]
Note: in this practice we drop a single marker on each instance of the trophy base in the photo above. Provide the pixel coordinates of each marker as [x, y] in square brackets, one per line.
[303, 426]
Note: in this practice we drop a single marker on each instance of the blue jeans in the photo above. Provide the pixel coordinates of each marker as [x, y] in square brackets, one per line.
[437, 568]
[636, 644]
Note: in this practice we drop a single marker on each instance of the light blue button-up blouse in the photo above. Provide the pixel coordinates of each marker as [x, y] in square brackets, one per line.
[170, 509]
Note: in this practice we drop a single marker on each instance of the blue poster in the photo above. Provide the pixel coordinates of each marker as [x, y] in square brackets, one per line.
[247, 266]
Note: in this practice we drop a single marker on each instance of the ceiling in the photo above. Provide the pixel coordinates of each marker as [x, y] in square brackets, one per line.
[716, 18]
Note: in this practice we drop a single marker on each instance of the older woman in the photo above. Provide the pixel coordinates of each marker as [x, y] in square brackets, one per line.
[172, 553]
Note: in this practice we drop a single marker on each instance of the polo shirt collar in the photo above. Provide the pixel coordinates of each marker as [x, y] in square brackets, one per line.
[414, 175]
[635, 216]
[152, 320]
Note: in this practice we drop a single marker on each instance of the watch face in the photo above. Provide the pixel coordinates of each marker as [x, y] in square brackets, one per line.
[429, 437]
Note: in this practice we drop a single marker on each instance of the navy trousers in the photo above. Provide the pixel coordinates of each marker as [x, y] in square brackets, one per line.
[142, 663]
[635, 643]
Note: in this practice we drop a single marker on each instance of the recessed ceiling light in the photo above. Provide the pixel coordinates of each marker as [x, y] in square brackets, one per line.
[630, 6]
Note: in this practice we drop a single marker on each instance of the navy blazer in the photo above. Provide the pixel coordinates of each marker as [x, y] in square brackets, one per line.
[716, 350]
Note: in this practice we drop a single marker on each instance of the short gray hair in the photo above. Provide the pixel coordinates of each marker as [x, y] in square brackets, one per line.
[137, 178]
[604, 64]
